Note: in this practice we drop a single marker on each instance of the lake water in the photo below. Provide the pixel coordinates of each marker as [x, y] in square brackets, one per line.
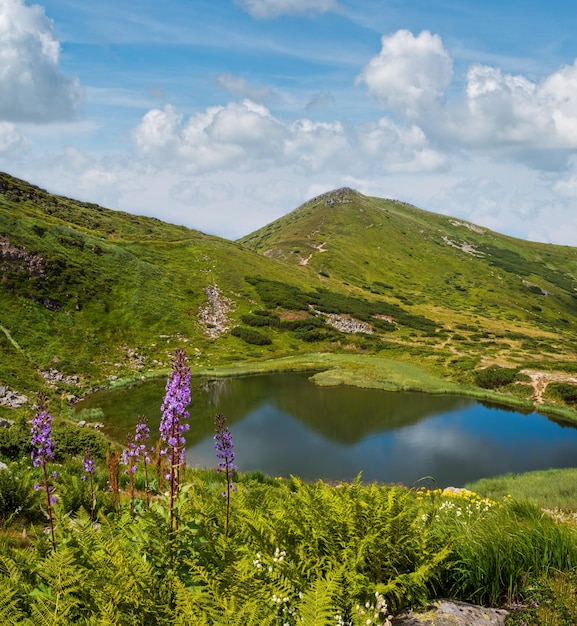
[283, 424]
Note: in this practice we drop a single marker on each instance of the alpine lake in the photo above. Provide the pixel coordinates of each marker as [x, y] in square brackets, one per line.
[284, 424]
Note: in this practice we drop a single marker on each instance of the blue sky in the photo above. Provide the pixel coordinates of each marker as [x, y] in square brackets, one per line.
[226, 114]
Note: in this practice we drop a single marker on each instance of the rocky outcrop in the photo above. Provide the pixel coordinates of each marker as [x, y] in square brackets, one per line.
[451, 613]
[346, 324]
[53, 377]
[12, 399]
[214, 316]
[20, 259]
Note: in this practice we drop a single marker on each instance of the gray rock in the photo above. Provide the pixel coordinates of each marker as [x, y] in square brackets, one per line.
[3, 466]
[451, 613]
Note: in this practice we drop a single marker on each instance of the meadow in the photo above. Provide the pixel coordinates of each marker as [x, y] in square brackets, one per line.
[129, 535]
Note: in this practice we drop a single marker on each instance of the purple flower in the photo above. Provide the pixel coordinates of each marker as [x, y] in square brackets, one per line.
[223, 446]
[42, 452]
[88, 464]
[142, 430]
[172, 426]
[175, 402]
[130, 455]
[43, 447]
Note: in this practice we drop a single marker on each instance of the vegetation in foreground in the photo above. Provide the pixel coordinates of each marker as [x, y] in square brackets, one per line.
[81, 543]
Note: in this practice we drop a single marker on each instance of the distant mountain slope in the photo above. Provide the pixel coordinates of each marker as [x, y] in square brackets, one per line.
[97, 294]
[394, 249]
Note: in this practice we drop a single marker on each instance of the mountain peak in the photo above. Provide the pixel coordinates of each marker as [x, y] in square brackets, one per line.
[336, 196]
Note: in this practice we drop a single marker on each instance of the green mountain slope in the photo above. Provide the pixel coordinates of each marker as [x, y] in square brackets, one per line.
[100, 294]
[394, 249]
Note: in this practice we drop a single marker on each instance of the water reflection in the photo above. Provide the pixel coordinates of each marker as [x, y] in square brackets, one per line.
[283, 424]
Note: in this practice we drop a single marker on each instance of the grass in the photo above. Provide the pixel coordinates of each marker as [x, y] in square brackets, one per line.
[322, 547]
[554, 489]
[118, 293]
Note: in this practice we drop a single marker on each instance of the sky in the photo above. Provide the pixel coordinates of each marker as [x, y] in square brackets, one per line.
[223, 115]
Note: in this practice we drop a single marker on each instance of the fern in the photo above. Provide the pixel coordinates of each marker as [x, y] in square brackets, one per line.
[10, 612]
[317, 607]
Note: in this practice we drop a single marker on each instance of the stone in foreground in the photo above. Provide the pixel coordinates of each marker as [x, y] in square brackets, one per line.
[451, 613]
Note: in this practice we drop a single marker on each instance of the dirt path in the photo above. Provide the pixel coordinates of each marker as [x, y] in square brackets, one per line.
[319, 248]
[11, 339]
[540, 380]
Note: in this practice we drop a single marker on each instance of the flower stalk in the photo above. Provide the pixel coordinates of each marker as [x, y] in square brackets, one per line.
[89, 466]
[172, 426]
[224, 452]
[42, 453]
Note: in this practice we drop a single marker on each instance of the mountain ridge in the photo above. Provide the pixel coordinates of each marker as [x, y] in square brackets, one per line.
[102, 294]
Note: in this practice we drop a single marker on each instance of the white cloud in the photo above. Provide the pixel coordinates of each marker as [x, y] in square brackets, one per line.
[246, 137]
[234, 136]
[265, 9]
[410, 74]
[505, 111]
[240, 88]
[32, 87]
[399, 148]
[11, 142]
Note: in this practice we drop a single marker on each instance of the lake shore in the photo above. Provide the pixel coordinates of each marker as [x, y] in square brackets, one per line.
[371, 372]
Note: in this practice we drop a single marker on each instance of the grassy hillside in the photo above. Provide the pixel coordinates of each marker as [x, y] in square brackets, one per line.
[98, 294]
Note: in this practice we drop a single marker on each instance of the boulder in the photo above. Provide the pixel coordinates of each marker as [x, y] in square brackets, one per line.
[451, 613]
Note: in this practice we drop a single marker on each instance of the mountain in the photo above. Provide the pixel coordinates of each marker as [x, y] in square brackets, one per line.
[89, 294]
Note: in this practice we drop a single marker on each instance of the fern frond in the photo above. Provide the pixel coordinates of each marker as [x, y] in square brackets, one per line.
[9, 610]
[317, 607]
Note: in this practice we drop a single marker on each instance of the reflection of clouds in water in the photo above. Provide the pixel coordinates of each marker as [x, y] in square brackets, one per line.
[277, 444]
[453, 448]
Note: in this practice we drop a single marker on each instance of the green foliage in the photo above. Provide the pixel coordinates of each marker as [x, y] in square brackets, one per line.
[17, 495]
[491, 561]
[251, 336]
[296, 553]
[554, 489]
[70, 441]
[277, 294]
[494, 376]
[567, 392]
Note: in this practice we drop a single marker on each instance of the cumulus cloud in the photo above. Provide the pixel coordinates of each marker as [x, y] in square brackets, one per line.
[238, 86]
[32, 87]
[266, 9]
[410, 74]
[504, 110]
[245, 136]
[231, 136]
[505, 115]
[11, 142]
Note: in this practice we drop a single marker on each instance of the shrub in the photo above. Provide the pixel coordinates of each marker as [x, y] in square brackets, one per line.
[250, 336]
[15, 442]
[17, 501]
[72, 441]
[568, 393]
[494, 376]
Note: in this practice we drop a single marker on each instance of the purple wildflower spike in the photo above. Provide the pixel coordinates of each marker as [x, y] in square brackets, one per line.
[172, 426]
[223, 446]
[42, 452]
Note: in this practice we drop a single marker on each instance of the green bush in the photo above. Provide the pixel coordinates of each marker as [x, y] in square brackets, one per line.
[17, 495]
[15, 442]
[568, 393]
[72, 441]
[494, 376]
[250, 336]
